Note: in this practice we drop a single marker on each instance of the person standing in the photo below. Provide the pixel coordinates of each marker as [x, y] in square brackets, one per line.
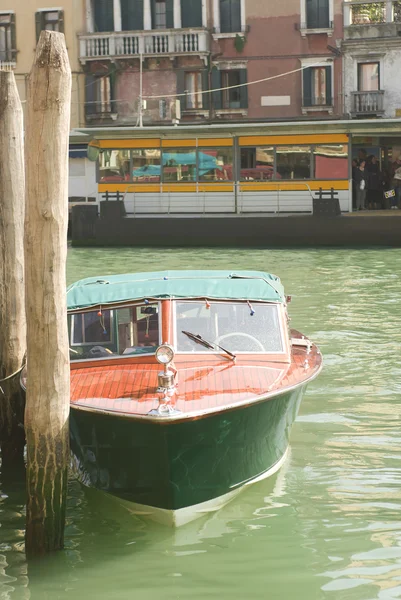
[374, 194]
[361, 177]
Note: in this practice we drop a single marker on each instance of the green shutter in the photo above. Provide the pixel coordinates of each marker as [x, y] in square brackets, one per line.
[13, 38]
[243, 91]
[104, 15]
[329, 94]
[307, 87]
[216, 84]
[170, 14]
[230, 16]
[181, 89]
[61, 21]
[317, 14]
[225, 17]
[132, 15]
[205, 86]
[90, 94]
[191, 13]
[38, 24]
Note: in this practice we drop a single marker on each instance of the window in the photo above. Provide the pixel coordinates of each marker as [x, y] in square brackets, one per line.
[215, 164]
[102, 334]
[146, 166]
[104, 15]
[193, 85]
[52, 20]
[179, 165]
[293, 162]
[330, 161]
[162, 14]
[368, 77]
[231, 97]
[230, 16]
[114, 166]
[236, 97]
[191, 13]
[98, 95]
[7, 38]
[317, 86]
[230, 325]
[257, 163]
[317, 14]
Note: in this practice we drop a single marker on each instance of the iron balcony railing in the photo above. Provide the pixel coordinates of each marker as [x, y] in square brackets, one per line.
[367, 103]
[148, 43]
[372, 13]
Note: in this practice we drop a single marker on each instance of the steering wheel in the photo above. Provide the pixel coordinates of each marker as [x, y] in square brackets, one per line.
[221, 338]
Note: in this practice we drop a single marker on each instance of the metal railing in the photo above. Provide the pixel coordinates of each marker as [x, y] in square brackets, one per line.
[280, 199]
[372, 13]
[148, 43]
[367, 102]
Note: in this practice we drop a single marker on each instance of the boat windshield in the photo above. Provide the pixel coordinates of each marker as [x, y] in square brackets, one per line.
[239, 327]
[122, 331]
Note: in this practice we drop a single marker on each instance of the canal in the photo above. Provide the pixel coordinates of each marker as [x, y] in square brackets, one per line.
[327, 526]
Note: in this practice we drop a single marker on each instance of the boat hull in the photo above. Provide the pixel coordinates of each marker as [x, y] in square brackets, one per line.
[174, 472]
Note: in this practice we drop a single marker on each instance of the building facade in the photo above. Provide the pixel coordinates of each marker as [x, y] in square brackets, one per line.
[21, 22]
[142, 56]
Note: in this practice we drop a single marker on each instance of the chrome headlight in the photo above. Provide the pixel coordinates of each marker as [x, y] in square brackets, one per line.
[164, 354]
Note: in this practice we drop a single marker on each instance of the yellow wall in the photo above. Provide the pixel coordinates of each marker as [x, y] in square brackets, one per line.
[74, 22]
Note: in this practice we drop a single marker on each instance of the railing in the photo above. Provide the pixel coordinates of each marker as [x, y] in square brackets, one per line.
[367, 102]
[98, 45]
[372, 13]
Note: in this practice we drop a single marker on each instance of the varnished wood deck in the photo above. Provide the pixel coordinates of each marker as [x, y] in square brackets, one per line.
[130, 387]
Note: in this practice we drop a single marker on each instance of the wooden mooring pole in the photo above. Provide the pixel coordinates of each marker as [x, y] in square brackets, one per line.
[12, 292]
[48, 380]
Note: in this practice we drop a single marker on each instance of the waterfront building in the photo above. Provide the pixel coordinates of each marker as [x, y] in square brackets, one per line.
[371, 51]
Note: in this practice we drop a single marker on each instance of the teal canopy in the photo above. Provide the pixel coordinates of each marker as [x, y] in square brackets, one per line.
[227, 285]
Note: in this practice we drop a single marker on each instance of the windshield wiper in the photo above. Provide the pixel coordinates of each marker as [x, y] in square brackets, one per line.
[211, 345]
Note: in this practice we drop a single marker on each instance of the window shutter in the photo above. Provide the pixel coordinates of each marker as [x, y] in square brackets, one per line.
[90, 94]
[181, 88]
[323, 14]
[243, 91]
[104, 15]
[307, 87]
[191, 13]
[132, 15]
[216, 84]
[230, 16]
[38, 24]
[225, 20]
[170, 14]
[329, 94]
[235, 11]
[317, 14]
[61, 21]
[205, 86]
[13, 38]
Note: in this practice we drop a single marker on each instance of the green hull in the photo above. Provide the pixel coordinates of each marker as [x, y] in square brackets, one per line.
[175, 465]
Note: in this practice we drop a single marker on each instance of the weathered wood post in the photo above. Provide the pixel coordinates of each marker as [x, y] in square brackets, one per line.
[12, 292]
[48, 381]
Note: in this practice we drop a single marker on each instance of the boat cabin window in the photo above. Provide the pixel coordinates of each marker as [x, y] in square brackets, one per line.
[122, 331]
[238, 327]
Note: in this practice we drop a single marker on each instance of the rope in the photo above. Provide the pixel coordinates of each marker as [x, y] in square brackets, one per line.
[13, 374]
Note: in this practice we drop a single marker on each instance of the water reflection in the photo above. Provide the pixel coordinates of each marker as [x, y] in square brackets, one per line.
[326, 526]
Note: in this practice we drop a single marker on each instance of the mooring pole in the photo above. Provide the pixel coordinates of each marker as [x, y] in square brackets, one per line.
[12, 292]
[48, 377]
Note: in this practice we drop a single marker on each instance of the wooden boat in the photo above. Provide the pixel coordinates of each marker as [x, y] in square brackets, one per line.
[184, 386]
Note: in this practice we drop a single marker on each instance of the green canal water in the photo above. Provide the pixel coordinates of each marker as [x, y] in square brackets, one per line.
[327, 526]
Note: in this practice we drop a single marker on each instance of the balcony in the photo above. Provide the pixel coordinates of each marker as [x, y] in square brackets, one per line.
[166, 42]
[367, 104]
[368, 19]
